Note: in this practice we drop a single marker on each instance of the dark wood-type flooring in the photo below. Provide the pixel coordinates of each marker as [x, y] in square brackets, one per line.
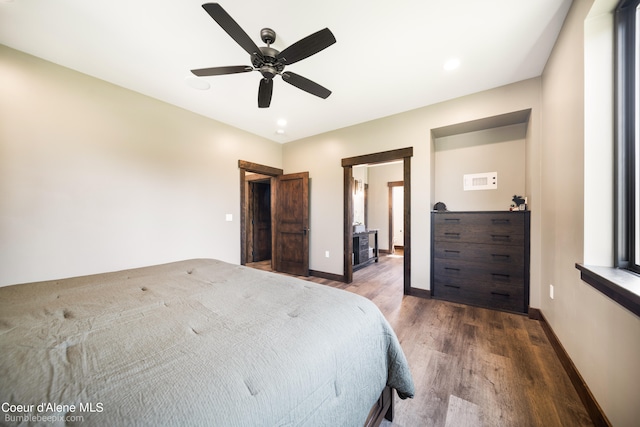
[471, 366]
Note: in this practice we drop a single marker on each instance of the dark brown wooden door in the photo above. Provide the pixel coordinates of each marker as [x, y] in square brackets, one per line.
[261, 217]
[292, 224]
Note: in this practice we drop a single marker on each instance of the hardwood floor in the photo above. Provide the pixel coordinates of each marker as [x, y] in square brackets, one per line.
[471, 366]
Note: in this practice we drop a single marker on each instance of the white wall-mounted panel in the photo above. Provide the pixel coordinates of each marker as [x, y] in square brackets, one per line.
[480, 181]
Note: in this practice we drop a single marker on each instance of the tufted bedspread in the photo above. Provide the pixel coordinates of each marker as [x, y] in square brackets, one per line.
[196, 342]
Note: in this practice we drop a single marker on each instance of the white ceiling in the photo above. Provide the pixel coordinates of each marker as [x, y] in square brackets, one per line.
[388, 58]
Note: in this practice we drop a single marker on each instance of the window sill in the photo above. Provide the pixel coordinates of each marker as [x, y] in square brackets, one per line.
[620, 285]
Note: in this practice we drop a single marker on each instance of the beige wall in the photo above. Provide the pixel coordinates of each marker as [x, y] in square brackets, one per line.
[321, 155]
[500, 150]
[601, 337]
[95, 178]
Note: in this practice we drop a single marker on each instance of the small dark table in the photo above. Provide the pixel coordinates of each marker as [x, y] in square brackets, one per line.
[361, 244]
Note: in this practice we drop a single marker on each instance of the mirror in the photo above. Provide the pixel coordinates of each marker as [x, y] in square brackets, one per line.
[360, 174]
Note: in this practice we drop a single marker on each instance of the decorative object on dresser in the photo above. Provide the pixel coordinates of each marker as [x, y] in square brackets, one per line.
[481, 258]
[519, 203]
[365, 250]
[439, 207]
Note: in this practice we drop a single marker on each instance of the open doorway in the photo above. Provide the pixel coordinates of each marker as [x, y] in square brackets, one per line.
[258, 218]
[253, 173]
[396, 218]
[276, 205]
[348, 164]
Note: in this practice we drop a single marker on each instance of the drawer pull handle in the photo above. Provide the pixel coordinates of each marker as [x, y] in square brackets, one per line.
[500, 221]
[451, 234]
[506, 276]
[501, 236]
[504, 294]
[452, 286]
[452, 269]
[452, 220]
[451, 251]
[501, 256]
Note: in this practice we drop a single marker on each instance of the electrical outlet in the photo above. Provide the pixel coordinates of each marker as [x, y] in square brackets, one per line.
[326, 254]
[551, 291]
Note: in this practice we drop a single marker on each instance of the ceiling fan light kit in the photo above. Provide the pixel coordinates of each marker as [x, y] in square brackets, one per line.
[267, 60]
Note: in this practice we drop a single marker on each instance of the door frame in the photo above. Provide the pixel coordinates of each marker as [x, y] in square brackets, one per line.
[262, 170]
[403, 154]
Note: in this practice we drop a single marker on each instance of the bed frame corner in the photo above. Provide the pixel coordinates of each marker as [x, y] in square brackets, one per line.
[382, 409]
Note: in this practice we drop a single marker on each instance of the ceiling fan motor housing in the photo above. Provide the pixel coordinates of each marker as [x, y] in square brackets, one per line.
[268, 65]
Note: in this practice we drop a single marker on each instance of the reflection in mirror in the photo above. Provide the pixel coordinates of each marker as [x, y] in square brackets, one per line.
[359, 199]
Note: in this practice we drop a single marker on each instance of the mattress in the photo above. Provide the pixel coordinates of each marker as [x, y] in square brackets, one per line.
[197, 342]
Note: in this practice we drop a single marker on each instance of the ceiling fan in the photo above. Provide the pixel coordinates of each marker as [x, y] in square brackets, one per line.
[267, 60]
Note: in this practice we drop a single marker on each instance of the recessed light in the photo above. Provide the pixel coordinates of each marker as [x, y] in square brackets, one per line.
[282, 122]
[280, 131]
[197, 83]
[451, 64]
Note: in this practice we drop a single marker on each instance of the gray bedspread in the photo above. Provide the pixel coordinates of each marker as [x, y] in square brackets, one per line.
[197, 342]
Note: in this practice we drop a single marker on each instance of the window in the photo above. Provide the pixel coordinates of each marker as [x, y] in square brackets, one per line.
[628, 135]
[621, 282]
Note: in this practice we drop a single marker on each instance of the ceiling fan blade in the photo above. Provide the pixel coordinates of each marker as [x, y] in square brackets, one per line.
[306, 84]
[264, 93]
[218, 71]
[306, 47]
[232, 28]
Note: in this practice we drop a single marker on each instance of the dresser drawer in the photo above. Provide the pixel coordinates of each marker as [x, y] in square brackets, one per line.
[484, 295]
[484, 219]
[477, 235]
[485, 253]
[478, 272]
[506, 228]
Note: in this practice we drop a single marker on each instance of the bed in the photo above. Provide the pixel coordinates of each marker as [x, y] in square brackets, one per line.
[195, 342]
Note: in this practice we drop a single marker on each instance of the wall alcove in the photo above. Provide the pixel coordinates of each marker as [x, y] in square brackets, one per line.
[480, 252]
[494, 144]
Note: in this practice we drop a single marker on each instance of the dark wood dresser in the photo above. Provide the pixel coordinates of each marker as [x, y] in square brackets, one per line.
[481, 258]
